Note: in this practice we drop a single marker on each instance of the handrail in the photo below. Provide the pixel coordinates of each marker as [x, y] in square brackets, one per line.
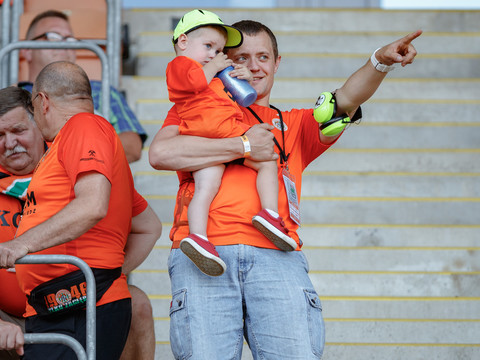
[10, 28]
[91, 305]
[17, 9]
[5, 32]
[54, 338]
[65, 45]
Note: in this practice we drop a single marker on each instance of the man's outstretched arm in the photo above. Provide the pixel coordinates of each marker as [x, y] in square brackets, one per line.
[362, 84]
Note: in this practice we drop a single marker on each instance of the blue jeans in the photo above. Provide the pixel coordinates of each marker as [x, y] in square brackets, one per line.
[265, 295]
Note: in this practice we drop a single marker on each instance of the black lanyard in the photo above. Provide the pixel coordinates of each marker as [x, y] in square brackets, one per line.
[283, 154]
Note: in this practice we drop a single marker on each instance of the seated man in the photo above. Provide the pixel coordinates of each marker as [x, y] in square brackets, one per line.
[21, 148]
[53, 25]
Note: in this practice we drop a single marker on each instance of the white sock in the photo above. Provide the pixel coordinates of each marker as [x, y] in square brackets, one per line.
[273, 213]
[202, 237]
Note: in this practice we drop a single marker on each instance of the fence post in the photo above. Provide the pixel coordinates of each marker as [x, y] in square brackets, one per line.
[65, 45]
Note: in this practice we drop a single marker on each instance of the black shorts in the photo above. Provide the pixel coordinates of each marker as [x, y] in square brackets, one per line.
[113, 324]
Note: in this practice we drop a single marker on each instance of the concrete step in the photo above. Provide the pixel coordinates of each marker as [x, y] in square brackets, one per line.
[401, 137]
[368, 259]
[391, 186]
[433, 285]
[340, 65]
[317, 19]
[346, 161]
[396, 285]
[370, 332]
[402, 161]
[422, 112]
[418, 211]
[350, 185]
[378, 351]
[421, 308]
[412, 89]
[335, 42]
[372, 351]
[391, 236]
[407, 88]
[403, 332]
[368, 210]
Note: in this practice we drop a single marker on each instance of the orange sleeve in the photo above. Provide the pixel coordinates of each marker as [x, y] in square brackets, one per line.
[172, 117]
[93, 150]
[139, 203]
[185, 75]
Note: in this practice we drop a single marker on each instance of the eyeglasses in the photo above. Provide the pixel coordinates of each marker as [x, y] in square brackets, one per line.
[53, 36]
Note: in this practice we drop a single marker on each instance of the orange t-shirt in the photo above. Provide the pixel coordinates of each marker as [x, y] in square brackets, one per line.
[12, 299]
[205, 109]
[86, 142]
[230, 216]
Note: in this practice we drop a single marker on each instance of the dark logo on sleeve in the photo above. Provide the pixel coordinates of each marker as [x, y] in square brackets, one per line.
[91, 157]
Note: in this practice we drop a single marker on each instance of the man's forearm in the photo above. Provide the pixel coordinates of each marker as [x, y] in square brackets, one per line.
[358, 88]
[90, 205]
[171, 151]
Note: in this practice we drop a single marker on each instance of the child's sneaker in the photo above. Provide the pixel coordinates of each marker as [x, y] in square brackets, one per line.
[203, 254]
[274, 229]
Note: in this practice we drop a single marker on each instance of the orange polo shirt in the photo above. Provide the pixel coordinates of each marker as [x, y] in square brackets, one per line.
[86, 143]
[237, 201]
[205, 109]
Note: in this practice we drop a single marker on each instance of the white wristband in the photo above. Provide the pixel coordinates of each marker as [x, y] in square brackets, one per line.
[246, 146]
[377, 65]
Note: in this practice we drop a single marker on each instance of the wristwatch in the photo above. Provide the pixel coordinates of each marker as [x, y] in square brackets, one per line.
[377, 65]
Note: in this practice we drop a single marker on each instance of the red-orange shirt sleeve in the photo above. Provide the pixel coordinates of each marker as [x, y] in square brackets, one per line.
[139, 203]
[184, 77]
[93, 152]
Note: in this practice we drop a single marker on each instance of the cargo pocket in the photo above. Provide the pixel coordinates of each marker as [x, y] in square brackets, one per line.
[180, 334]
[316, 325]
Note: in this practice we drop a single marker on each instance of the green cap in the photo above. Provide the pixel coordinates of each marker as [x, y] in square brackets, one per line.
[198, 18]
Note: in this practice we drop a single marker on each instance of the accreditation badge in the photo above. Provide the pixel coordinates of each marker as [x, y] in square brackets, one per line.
[291, 190]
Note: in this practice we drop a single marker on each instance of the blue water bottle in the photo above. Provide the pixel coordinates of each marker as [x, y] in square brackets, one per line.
[243, 93]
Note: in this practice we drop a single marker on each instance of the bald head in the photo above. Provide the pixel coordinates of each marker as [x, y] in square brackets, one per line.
[61, 90]
[63, 80]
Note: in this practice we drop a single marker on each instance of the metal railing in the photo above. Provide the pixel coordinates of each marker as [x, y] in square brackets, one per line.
[91, 315]
[65, 45]
[10, 34]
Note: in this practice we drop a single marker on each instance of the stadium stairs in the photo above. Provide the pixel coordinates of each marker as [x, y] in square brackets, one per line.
[391, 212]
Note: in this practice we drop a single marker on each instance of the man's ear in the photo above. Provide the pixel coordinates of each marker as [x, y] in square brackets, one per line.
[182, 42]
[45, 103]
[277, 63]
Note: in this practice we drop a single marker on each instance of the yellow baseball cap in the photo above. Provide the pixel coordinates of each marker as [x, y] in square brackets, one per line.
[198, 18]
